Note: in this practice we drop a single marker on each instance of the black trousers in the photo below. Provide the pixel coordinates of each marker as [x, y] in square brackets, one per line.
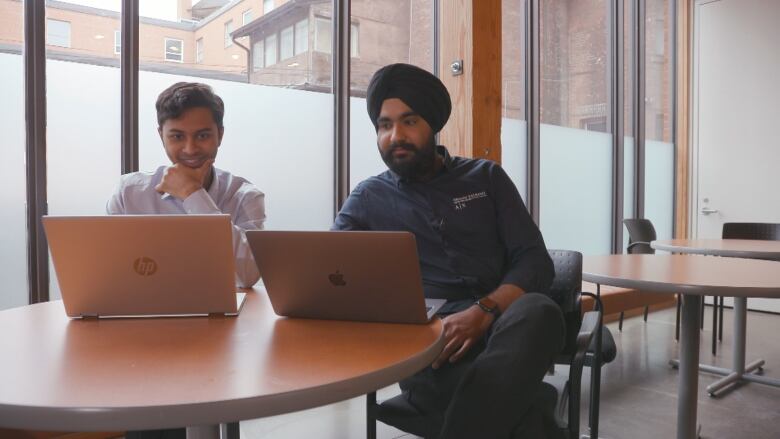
[491, 392]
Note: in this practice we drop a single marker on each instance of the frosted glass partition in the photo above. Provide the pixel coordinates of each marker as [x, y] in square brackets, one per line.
[629, 152]
[83, 140]
[13, 233]
[576, 189]
[279, 139]
[514, 153]
[83, 136]
[364, 158]
[659, 187]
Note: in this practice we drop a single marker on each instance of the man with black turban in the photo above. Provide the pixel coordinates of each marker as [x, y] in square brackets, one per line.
[480, 250]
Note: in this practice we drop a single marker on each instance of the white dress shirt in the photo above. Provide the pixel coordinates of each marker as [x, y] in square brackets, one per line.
[228, 194]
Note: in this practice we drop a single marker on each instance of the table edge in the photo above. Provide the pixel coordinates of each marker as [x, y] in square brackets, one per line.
[212, 412]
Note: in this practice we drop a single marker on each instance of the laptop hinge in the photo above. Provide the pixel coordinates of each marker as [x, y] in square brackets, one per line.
[89, 316]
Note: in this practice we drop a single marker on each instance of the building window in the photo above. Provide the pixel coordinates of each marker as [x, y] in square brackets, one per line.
[117, 42]
[246, 17]
[301, 36]
[174, 50]
[199, 50]
[286, 44]
[257, 55]
[322, 37]
[57, 33]
[228, 31]
[353, 41]
[268, 6]
[270, 50]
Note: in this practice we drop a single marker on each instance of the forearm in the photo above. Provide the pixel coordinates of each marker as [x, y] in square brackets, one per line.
[505, 295]
[250, 217]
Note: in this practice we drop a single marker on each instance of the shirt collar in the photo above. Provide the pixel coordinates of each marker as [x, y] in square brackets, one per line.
[446, 166]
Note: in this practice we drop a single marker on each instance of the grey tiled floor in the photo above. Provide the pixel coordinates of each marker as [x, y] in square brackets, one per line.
[638, 398]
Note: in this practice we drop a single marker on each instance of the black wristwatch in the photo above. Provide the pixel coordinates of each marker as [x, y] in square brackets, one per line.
[489, 306]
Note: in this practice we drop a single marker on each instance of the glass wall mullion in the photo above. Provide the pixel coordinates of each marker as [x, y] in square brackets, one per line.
[34, 59]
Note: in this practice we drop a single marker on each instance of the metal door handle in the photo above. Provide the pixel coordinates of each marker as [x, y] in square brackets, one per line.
[707, 210]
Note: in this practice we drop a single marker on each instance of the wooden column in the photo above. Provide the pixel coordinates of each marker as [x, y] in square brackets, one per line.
[683, 117]
[470, 30]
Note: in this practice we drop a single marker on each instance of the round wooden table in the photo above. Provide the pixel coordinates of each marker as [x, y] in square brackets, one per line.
[137, 374]
[693, 276]
[735, 248]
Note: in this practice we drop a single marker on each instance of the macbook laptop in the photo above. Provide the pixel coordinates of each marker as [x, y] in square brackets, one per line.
[144, 265]
[364, 276]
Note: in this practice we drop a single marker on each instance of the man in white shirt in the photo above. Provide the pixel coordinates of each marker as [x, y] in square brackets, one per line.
[189, 117]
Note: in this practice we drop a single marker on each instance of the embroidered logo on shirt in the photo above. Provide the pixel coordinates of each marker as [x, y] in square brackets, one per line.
[460, 202]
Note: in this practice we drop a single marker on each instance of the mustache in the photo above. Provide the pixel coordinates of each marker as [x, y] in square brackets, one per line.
[402, 145]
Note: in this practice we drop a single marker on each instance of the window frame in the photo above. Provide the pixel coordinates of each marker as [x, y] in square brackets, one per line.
[244, 21]
[257, 66]
[117, 42]
[228, 29]
[69, 37]
[274, 51]
[297, 37]
[200, 50]
[166, 52]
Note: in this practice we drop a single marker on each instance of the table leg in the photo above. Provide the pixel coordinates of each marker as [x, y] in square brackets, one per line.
[203, 432]
[739, 371]
[689, 360]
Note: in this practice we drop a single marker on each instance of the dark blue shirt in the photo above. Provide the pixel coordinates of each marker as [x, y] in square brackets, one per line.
[472, 229]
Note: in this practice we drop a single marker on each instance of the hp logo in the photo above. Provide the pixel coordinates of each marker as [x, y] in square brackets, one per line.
[145, 266]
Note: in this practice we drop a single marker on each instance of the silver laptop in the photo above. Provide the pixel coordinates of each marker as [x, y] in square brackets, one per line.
[144, 265]
[364, 276]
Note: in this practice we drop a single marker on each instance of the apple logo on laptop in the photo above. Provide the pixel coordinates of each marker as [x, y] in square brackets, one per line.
[337, 279]
[145, 266]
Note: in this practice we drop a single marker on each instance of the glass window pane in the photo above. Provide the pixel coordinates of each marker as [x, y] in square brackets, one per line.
[13, 234]
[228, 31]
[268, 6]
[354, 41]
[83, 128]
[199, 50]
[301, 36]
[286, 43]
[117, 42]
[57, 33]
[270, 50]
[322, 35]
[576, 140]
[659, 114]
[246, 17]
[174, 50]
[514, 149]
[263, 122]
[258, 55]
[411, 25]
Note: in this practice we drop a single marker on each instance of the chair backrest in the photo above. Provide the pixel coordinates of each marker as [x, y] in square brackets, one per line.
[565, 290]
[640, 233]
[766, 231]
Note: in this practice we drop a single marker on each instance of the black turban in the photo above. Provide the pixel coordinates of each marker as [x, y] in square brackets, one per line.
[420, 90]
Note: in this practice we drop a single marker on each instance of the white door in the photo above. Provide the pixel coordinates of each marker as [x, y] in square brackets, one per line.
[736, 120]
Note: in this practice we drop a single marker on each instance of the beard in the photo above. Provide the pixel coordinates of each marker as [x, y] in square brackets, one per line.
[419, 162]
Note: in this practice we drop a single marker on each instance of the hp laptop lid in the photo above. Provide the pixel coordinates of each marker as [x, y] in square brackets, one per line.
[144, 265]
[365, 276]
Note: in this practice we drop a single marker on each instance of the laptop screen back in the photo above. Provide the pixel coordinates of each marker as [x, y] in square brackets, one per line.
[134, 265]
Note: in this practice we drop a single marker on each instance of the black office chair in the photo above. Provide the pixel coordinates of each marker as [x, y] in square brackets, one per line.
[582, 342]
[763, 231]
[561, 393]
[640, 234]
